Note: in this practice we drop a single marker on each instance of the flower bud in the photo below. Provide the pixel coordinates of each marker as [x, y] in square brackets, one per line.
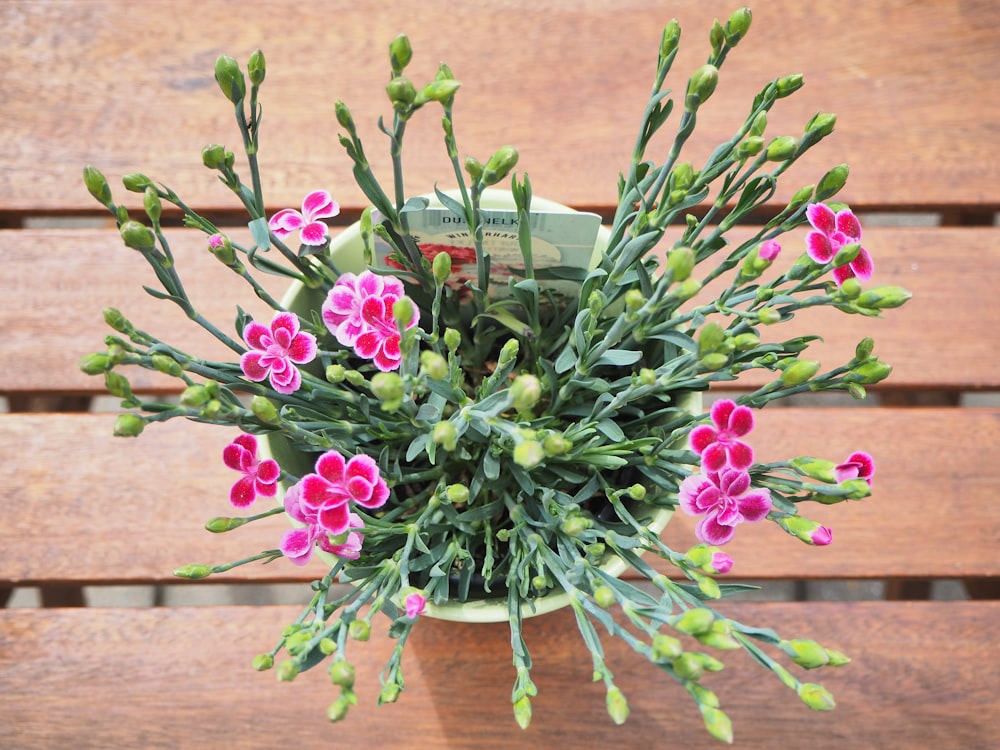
[256, 67]
[883, 297]
[441, 266]
[525, 392]
[359, 630]
[499, 165]
[446, 435]
[815, 468]
[781, 148]
[665, 647]
[831, 183]
[617, 706]
[846, 254]
[95, 364]
[680, 262]
[114, 318]
[404, 312]
[799, 371]
[117, 384]
[230, 79]
[335, 373]
[342, 673]
[864, 349]
[167, 365]
[802, 196]
[522, 711]
[474, 167]
[457, 494]
[433, 365]
[556, 445]
[193, 572]
[452, 339]
[263, 662]
[213, 155]
[222, 524]
[400, 53]
[869, 372]
[670, 39]
[354, 377]
[768, 316]
[129, 425]
[816, 697]
[745, 341]
[688, 289]
[806, 653]
[694, 621]
[701, 85]
[508, 352]
[822, 124]
[388, 388]
[222, 248]
[528, 454]
[688, 666]
[265, 410]
[138, 236]
[851, 288]
[136, 182]
[749, 147]
[788, 85]
[343, 115]
[805, 530]
[339, 708]
[604, 597]
[634, 300]
[401, 92]
[682, 176]
[737, 26]
[440, 91]
[97, 185]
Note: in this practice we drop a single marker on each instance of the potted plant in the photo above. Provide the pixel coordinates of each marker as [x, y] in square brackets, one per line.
[480, 405]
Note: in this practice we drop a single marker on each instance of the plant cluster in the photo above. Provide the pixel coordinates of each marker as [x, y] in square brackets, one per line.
[441, 441]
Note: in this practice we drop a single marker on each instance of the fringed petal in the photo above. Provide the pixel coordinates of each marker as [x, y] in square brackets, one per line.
[821, 217]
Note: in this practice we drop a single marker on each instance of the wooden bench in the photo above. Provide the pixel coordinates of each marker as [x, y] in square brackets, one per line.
[128, 87]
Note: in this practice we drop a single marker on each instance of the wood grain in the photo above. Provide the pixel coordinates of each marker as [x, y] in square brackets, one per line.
[136, 508]
[923, 676]
[938, 340]
[567, 81]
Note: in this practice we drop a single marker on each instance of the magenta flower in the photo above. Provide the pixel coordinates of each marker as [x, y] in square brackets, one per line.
[342, 308]
[259, 477]
[415, 605]
[298, 544]
[325, 496]
[857, 466]
[821, 536]
[726, 500]
[358, 311]
[768, 250]
[317, 205]
[215, 241]
[275, 351]
[831, 231]
[721, 562]
[718, 443]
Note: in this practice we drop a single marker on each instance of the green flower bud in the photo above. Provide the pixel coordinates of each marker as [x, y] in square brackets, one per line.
[688, 289]
[401, 93]
[670, 39]
[474, 167]
[575, 525]
[457, 494]
[701, 85]
[452, 339]
[556, 445]
[634, 300]
[508, 352]
[265, 410]
[815, 468]
[851, 288]
[802, 196]
[745, 341]
[136, 182]
[263, 662]
[821, 124]
[129, 425]
[604, 597]
[710, 338]
[717, 723]
[749, 147]
[499, 165]
[166, 364]
[446, 435]
[256, 67]
[97, 185]
[400, 53]
[529, 454]
[781, 148]
[806, 653]
[737, 26]
[759, 124]
[222, 524]
[831, 183]
[837, 658]
[694, 621]
[522, 711]
[114, 318]
[617, 706]
[433, 365]
[525, 392]
[230, 79]
[647, 376]
[213, 156]
[440, 91]
[864, 349]
[846, 254]
[799, 371]
[193, 572]
[335, 373]
[441, 266]
[688, 666]
[388, 388]
[883, 297]
[789, 85]
[714, 361]
[138, 236]
[869, 372]
[339, 708]
[342, 673]
[682, 176]
[768, 316]
[680, 262]
[816, 697]
[359, 630]
[95, 364]
[354, 377]
[666, 647]
[343, 115]
[117, 384]
[389, 693]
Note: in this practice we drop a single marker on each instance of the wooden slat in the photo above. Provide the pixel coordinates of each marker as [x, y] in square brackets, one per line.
[567, 82]
[133, 510]
[923, 676]
[86, 270]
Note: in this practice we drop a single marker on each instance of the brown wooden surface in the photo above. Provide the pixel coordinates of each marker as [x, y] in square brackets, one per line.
[137, 507]
[902, 76]
[938, 340]
[924, 676]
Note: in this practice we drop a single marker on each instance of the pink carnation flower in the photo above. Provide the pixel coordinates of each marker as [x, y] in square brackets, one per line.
[415, 605]
[275, 351]
[326, 495]
[831, 231]
[718, 443]
[259, 477]
[857, 466]
[726, 500]
[315, 206]
[298, 544]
